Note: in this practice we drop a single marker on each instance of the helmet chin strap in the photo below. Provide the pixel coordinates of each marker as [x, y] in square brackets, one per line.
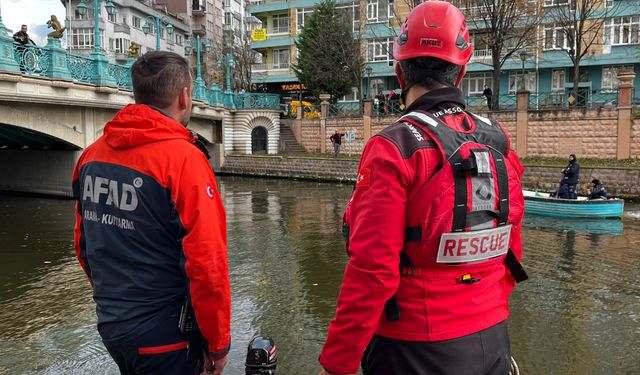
[405, 88]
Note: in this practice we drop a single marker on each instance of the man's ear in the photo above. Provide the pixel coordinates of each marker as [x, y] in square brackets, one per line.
[183, 98]
[400, 75]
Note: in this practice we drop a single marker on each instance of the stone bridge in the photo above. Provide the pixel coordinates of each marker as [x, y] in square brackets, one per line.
[45, 123]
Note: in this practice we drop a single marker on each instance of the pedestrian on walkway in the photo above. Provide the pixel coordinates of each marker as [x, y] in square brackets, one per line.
[336, 139]
[433, 225]
[150, 231]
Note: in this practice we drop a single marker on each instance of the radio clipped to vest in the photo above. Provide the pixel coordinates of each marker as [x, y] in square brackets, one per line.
[187, 320]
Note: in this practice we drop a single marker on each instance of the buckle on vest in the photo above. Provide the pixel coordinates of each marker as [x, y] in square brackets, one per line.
[479, 163]
[467, 279]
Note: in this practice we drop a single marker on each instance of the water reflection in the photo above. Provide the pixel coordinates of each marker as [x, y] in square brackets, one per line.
[578, 314]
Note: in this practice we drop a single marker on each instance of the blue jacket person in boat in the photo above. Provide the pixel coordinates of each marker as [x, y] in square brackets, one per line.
[570, 179]
[598, 191]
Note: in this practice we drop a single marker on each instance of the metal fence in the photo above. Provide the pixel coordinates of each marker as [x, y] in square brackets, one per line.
[54, 62]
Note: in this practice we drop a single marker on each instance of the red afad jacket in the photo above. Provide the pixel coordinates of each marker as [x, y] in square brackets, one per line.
[151, 228]
[405, 199]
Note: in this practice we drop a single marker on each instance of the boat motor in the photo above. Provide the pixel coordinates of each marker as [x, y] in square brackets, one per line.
[262, 357]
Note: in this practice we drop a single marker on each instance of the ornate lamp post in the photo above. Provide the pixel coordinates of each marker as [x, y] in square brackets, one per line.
[200, 87]
[100, 76]
[228, 94]
[158, 21]
[369, 70]
[523, 56]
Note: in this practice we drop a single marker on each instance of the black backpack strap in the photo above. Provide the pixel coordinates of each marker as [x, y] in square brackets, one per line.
[515, 267]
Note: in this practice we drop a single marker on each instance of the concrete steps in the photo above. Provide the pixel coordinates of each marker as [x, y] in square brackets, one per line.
[288, 141]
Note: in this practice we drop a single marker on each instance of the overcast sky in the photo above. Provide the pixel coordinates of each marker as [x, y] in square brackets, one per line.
[33, 13]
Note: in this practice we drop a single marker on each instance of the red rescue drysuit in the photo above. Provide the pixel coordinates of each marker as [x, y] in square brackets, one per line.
[437, 206]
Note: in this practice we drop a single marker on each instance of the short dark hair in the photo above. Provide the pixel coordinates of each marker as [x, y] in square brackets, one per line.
[429, 72]
[158, 77]
[23, 25]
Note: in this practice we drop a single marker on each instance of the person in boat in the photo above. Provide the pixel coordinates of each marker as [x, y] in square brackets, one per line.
[418, 295]
[570, 179]
[598, 191]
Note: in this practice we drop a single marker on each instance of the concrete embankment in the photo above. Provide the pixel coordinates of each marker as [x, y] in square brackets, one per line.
[619, 181]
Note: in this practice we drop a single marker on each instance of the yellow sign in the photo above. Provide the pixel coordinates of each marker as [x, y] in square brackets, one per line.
[258, 35]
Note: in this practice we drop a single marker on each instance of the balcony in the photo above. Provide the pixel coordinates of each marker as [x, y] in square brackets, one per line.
[122, 57]
[198, 7]
[121, 28]
[481, 55]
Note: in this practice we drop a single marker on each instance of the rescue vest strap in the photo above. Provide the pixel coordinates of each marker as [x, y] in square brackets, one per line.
[460, 199]
[515, 267]
[413, 234]
[345, 231]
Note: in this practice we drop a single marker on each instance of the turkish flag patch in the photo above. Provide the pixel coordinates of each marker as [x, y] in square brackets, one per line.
[364, 178]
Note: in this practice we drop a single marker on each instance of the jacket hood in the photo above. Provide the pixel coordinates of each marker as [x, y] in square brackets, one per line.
[138, 124]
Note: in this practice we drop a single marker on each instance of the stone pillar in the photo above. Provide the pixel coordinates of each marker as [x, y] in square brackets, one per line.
[324, 109]
[522, 123]
[7, 58]
[57, 57]
[366, 119]
[625, 115]
[297, 125]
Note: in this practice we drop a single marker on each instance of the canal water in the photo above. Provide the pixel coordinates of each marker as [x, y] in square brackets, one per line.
[578, 314]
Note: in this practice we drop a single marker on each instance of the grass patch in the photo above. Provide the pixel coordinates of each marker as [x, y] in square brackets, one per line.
[586, 163]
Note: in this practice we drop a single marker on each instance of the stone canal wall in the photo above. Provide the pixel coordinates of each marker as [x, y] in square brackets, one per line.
[619, 181]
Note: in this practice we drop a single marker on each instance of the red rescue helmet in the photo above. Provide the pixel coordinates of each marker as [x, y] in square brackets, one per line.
[435, 29]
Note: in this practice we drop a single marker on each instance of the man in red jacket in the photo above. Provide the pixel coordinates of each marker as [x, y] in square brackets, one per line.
[150, 231]
[433, 225]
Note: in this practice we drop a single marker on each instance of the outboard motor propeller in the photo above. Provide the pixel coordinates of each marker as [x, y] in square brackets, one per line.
[262, 357]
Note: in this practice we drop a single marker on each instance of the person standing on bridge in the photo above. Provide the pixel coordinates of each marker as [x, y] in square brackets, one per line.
[433, 225]
[150, 230]
[22, 39]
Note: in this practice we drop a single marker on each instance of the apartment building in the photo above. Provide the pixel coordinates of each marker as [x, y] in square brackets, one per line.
[546, 67]
[124, 26]
[547, 70]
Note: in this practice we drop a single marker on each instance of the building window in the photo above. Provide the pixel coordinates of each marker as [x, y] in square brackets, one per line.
[379, 50]
[473, 84]
[558, 79]
[620, 31]
[550, 3]
[280, 24]
[555, 37]
[79, 16]
[610, 80]
[303, 14]
[111, 17]
[161, 31]
[82, 38]
[179, 39]
[122, 45]
[281, 58]
[227, 18]
[515, 79]
[136, 21]
[372, 10]
[351, 97]
[227, 3]
[353, 11]
[608, 3]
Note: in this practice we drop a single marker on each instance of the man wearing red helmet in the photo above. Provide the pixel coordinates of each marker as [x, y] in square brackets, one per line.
[433, 226]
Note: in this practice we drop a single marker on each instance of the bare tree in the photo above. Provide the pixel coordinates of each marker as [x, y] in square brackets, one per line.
[503, 27]
[575, 27]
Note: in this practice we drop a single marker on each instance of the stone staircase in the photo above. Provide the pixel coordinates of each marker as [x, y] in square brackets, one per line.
[288, 141]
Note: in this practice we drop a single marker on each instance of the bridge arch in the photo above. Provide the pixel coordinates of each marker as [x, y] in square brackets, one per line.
[239, 136]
